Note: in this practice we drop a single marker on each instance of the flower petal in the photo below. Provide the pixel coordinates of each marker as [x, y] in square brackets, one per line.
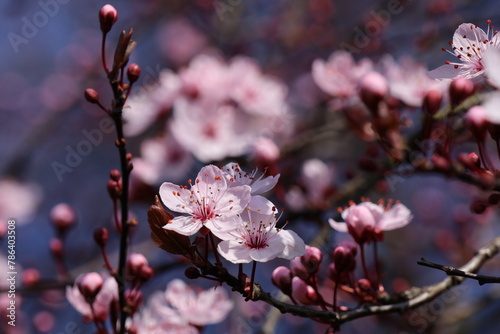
[184, 225]
[273, 250]
[294, 245]
[175, 197]
[396, 217]
[491, 60]
[263, 185]
[234, 251]
[341, 227]
[445, 72]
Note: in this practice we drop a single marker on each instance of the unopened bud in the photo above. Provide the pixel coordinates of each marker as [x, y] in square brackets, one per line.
[470, 160]
[135, 262]
[107, 17]
[282, 278]
[364, 284]
[373, 89]
[478, 206]
[432, 101]
[115, 175]
[311, 259]
[302, 292]
[101, 236]
[298, 269]
[133, 299]
[31, 276]
[192, 273]
[91, 96]
[89, 285]
[63, 216]
[460, 89]
[114, 189]
[133, 73]
[56, 246]
[343, 259]
[476, 122]
[146, 273]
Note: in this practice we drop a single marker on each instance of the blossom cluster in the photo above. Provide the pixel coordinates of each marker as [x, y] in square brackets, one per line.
[227, 202]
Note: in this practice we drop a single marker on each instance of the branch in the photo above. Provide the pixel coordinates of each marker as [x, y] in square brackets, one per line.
[401, 302]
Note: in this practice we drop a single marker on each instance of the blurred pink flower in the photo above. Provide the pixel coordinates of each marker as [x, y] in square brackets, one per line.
[318, 179]
[179, 41]
[256, 93]
[203, 308]
[106, 295]
[340, 75]
[212, 202]
[162, 158]
[150, 100]
[209, 130]
[366, 221]
[258, 238]
[408, 80]
[19, 200]
[469, 45]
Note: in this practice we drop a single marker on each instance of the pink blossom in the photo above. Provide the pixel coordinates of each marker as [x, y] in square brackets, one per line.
[199, 309]
[259, 185]
[212, 201]
[469, 45]
[408, 80]
[340, 75]
[162, 158]
[18, 200]
[211, 131]
[491, 61]
[317, 178]
[256, 93]
[104, 297]
[367, 221]
[150, 101]
[258, 239]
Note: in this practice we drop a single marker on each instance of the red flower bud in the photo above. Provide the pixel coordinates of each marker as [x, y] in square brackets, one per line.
[63, 216]
[107, 17]
[89, 285]
[282, 278]
[101, 236]
[133, 73]
[91, 96]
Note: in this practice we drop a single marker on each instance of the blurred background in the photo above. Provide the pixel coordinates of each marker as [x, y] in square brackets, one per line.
[51, 52]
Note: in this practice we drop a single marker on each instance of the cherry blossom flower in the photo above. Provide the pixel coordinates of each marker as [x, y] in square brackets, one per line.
[367, 221]
[104, 297]
[211, 131]
[258, 238]
[19, 200]
[469, 45]
[162, 158]
[182, 308]
[340, 75]
[408, 80]
[150, 102]
[256, 93]
[212, 202]
[491, 61]
[258, 185]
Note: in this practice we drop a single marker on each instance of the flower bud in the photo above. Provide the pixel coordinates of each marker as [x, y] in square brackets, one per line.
[470, 160]
[343, 259]
[101, 236]
[89, 285]
[133, 73]
[460, 89]
[31, 276]
[364, 284]
[373, 89]
[91, 96]
[107, 17]
[114, 189]
[479, 206]
[298, 269]
[135, 262]
[476, 122]
[311, 259]
[146, 273]
[63, 217]
[56, 246]
[282, 278]
[115, 175]
[302, 292]
[192, 273]
[432, 101]
[133, 299]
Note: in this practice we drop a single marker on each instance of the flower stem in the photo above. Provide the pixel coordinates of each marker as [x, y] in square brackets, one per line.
[216, 254]
[250, 293]
[363, 262]
[377, 267]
